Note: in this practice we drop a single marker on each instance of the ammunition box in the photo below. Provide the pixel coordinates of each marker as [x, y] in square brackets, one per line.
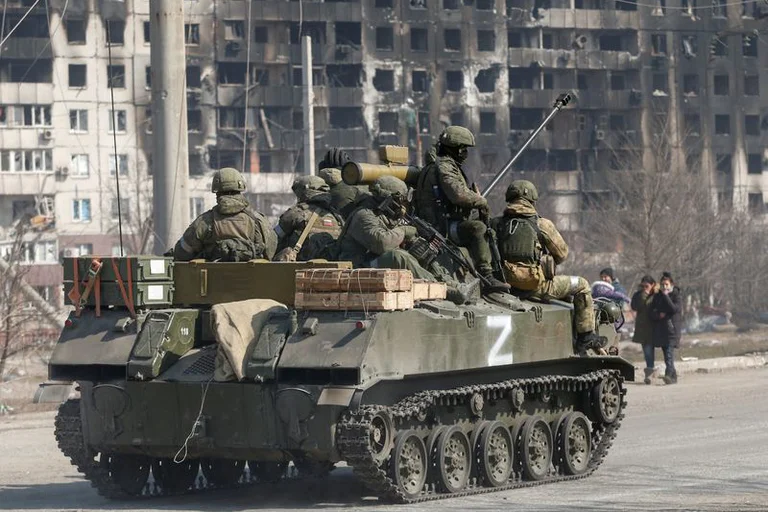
[198, 283]
[144, 294]
[143, 268]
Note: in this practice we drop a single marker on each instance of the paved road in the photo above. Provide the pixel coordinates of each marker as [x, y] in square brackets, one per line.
[700, 445]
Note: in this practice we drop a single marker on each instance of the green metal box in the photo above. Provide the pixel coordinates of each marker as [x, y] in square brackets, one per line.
[149, 294]
[143, 268]
[205, 283]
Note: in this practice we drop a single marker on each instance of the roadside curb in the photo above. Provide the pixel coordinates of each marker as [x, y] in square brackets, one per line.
[714, 365]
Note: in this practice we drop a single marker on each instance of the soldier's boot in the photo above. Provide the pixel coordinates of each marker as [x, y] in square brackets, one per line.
[463, 293]
[590, 340]
[648, 374]
[493, 285]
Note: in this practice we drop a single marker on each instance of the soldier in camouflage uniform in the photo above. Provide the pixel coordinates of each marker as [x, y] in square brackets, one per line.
[373, 237]
[344, 198]
[444, 199]
[229, 231]
[313, 198]
[525, 239]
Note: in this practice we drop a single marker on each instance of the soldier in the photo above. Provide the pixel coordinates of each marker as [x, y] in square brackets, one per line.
[344, 198]
[312, 214]
[444, 199]
[524, 241]
[373, 236]
[229, 231]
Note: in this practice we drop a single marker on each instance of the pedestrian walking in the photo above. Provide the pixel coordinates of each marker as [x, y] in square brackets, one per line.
[666, 314]
[641, 305]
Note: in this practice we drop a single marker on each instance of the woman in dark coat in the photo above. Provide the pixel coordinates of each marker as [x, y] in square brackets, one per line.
[665, 312]
[641, 304]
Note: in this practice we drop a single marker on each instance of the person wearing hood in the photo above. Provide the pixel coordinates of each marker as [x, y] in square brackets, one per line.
[606, 290]
[229, 231]
[445, 200]
[524, 241]
[312, 214]
[344, 198]
[608, 276]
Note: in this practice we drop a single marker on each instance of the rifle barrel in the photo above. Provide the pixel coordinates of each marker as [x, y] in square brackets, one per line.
[560, 102]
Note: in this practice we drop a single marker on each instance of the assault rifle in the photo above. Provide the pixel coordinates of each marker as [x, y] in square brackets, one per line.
[394, 210]
[443, 244]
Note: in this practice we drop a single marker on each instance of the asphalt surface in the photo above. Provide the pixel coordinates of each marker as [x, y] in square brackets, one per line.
[699, 445]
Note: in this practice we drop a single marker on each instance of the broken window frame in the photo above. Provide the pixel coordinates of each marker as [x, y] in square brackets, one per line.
[752, 125]
[721, 85]
[234, 30]
[388, 122]
[194, 120]
[452, 47]
[263, 37]
[420, 31]
[384, 80]
[490, 119]
[230, 118]
[749, 81]
[418, 78]
[719, 8]
[450, 74]
[191, 34]
[381, 32]
[659, 44]
[117, 117]
[720, 122]
[227, 71]
[749, 45]
[122, 164]
[190, 71]
[114, 32]
[691, 86]
[77, 68]
[754, 163]
[69, 24]
[116, 76]
[79, 165]
[487, 45]
[417, 5]
[341, 37]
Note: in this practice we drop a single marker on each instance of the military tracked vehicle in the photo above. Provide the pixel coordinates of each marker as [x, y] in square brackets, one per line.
[201, 375]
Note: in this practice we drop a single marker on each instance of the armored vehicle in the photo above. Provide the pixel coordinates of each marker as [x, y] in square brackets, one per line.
[203, 375]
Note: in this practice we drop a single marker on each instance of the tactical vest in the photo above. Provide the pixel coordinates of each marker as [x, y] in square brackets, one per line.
[519, 239]
[322, 235]
[231, 238]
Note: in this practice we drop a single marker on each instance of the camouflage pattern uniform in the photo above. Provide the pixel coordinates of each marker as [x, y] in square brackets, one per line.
[521, 198]
[344, 198]
[229, 231]
[313, 197]
[444, 199]
[372, 239]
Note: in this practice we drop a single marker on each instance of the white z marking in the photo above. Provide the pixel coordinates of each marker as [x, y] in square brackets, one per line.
[505, 323]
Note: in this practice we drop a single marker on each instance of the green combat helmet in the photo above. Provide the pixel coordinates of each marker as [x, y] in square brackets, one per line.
[386, 186]
[227, 180]
[522, 189]
[331, 175]
[308, 186]
[457, 136]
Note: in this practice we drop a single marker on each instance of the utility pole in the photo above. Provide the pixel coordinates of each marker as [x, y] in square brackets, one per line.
[308, 102]
[169, 119]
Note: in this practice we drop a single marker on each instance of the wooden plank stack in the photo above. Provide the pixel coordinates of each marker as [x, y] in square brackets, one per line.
[362, 289]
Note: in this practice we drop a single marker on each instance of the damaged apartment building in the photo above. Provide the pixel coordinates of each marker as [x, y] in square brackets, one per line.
[384, 72]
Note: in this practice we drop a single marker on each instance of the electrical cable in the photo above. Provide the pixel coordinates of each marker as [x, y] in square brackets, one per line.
[185, 446]
[113, 118]
[247, 87]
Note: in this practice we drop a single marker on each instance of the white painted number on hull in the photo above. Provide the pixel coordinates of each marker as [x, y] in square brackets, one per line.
[505, 324]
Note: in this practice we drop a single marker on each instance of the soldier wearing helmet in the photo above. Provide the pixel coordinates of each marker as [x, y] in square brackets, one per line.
[343, 197]
[531, 246]
[373, 236]
[307, 230]
[444, 199]
[229, 231]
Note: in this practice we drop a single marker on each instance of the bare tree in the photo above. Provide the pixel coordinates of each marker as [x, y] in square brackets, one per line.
[657, 211]
[24, 316]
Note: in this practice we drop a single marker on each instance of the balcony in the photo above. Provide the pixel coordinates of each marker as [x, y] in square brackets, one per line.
[27, 183]
[572, 59]
[602, 19]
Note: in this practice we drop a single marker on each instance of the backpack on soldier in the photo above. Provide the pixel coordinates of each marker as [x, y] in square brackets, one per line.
[520, 246]
[234, 250]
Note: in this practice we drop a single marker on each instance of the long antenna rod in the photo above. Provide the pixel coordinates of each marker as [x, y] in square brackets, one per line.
[111, 79]
[560, 102]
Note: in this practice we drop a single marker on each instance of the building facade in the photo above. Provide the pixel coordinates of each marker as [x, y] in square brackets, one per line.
[384, 72]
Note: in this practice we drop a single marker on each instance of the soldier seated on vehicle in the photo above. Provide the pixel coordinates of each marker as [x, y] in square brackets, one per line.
[445, 200]
[374, 237]
[526, 241]
[344, 198]
[229, 231]
[312, 218]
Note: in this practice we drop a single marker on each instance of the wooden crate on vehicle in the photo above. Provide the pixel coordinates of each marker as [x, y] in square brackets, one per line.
[349, 301]
[426, 290]
[362, 280]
